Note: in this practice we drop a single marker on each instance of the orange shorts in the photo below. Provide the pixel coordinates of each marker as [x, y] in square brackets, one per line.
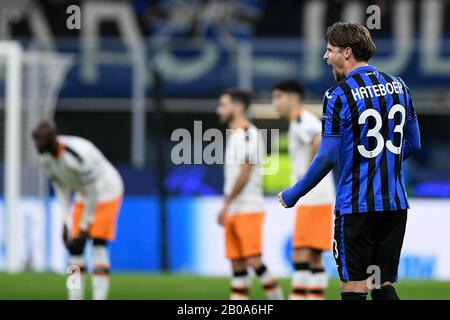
[105, 216]
[243, 235]
[314, 227]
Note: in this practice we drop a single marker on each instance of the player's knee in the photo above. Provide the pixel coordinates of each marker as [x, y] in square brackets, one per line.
[316, 258]
[301, 255]
[254, 262]
[354, 286]
[238, 265]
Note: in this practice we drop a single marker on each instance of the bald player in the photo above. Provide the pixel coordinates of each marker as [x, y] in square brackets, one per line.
[76, 166]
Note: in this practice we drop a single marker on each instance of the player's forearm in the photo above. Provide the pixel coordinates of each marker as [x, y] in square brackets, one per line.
[64, 200]
[322, 164]
[63, 197]
[315, 147]
[412, 138]
[91, 199]
[241, 181]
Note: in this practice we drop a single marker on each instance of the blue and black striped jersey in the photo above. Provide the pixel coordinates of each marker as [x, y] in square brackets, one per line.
[368, 110]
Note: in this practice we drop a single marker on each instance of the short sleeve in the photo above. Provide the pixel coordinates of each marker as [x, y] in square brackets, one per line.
[332, 114]
[308, 130]
[250, 147]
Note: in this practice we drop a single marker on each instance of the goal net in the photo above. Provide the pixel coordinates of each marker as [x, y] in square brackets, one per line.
[30, 82]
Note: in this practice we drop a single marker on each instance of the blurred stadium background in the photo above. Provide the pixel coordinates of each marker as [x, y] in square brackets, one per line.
[137, 70]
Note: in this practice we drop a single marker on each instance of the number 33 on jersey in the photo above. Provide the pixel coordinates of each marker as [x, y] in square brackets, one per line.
[368, 111]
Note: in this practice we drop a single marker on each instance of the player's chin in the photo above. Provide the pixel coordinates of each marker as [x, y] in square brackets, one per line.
[223, 120]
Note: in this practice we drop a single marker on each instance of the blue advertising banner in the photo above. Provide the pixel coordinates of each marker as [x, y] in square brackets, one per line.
[203, 69]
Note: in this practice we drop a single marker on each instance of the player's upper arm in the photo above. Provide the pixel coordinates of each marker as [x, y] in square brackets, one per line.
[316, 143]
[410, 110]
[308, 131]
[250, 147]
[333, 119]
[83, 167]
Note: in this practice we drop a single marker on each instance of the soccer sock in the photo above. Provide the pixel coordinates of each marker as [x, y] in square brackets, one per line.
[240, 285]
[385, 293]
[318, 282]
[76, 280]
[300, 281]
[100, 276]
[272, 289]
[353, 296]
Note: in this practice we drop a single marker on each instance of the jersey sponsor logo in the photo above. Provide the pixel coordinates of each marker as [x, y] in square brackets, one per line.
[325, 117]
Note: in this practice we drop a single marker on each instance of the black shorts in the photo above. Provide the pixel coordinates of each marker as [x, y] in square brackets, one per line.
[363, 241]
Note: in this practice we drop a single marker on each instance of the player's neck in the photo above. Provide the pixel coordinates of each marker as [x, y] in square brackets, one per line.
[356, 64]
[296, 112]
[59, 149]
[239, 123]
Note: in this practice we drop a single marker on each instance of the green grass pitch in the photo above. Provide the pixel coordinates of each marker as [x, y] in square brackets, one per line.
[182, 287]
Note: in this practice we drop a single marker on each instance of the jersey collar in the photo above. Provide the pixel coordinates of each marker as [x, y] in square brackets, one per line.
[361, 69]
[244, 126]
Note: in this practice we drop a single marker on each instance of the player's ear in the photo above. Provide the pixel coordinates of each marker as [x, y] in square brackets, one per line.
[289, 98]
[348, 53]
[242, 109]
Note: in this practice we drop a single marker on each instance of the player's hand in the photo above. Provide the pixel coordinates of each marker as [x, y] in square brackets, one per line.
[76, 246]
[222, 216]
[280, 199]
[65, 236]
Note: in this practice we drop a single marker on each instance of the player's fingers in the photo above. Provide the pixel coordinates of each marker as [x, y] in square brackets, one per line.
[65, 234]
[280, 198]
[222, 219]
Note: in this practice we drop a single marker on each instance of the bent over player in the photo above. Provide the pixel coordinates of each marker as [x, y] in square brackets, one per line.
[242, 213]
[75, 165]
[369, 127]
[313, 231]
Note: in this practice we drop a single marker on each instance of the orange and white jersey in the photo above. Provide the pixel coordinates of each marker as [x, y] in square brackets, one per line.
[300, 138]
[79, 163]
[245, 145]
